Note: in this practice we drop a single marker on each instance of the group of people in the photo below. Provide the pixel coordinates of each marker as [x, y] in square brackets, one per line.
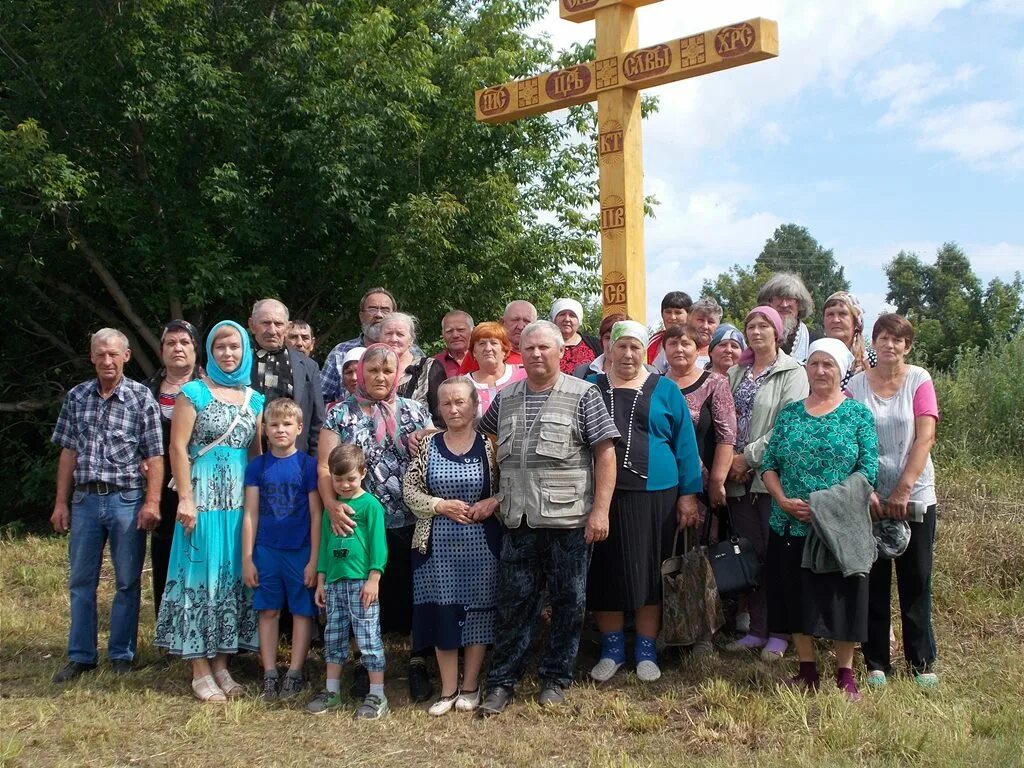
[528, 472]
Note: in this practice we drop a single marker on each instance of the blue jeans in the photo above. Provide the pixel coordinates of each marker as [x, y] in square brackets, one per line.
[532, 559]
[95, 519]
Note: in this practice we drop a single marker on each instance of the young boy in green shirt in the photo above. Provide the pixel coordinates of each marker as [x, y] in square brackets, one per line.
[348, 577]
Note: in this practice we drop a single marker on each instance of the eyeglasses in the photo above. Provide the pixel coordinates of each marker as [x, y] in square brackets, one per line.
[377, 310]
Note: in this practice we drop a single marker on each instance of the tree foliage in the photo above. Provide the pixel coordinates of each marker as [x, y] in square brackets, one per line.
[948, 306]
[791, 248]
[183, 158]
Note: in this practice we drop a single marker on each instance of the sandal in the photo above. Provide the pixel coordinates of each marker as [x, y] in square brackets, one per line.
[206, 690]
[228, 685]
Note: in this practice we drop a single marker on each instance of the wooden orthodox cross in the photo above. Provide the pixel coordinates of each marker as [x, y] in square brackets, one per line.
[615, 80]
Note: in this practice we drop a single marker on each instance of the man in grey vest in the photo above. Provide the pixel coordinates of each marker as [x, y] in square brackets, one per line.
[556, 455]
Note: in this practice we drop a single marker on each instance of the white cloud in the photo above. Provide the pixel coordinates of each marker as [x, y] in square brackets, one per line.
[908, 87]
[983, 133]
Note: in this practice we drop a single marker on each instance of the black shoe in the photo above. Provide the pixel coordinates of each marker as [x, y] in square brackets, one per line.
[551, 695]
[72, 670]
[121, 666]
[360, 682]
[420, 687]
[495, 702]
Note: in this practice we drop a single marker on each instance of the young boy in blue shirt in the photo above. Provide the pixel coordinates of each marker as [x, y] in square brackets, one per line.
[280, 542]
[348, 580]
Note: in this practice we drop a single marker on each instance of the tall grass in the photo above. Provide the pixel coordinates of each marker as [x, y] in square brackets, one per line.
[982, 405]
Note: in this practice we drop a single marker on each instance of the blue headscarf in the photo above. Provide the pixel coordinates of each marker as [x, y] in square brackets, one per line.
[727, 332]
[240, 376]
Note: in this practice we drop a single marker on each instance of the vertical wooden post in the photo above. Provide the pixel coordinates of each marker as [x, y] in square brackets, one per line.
[620, 169]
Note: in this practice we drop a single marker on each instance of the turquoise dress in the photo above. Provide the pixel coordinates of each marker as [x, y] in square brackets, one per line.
[206, 608]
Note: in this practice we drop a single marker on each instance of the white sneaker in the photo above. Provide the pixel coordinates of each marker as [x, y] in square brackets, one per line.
[468, 700]
[648, 671]
[604, 670]
[444, 705]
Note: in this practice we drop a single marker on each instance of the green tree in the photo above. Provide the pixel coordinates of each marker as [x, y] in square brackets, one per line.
[182, 158]
[791, 248]
[948, 307]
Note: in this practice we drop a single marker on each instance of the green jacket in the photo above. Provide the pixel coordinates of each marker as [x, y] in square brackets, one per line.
[787, 383]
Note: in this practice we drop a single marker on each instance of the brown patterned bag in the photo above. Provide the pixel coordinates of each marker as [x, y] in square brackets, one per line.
[691, 608]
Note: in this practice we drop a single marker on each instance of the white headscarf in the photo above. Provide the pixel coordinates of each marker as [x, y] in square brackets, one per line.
[572, 305]
[630, 329]
[835, 349]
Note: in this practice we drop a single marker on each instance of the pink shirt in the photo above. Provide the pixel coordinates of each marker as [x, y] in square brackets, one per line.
[487, 392]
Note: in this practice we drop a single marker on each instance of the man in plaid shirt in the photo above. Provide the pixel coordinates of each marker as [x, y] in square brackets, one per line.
[107, 428]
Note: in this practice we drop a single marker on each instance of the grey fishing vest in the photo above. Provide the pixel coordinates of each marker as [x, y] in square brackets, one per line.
[547, 469]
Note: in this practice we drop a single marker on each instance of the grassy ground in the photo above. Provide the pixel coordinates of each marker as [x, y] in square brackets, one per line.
[728, 711]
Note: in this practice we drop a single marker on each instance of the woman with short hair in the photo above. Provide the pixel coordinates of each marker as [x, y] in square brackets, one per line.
[655, 495]
[487, 363]
[450, 487]
[179, 355]
[764, 381]
[902, 399]
[703, 318]
[206, 614]
[821, 462]
[567, 315]
[419, 376]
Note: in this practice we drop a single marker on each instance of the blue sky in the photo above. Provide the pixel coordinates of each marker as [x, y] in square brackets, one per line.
[883, 125]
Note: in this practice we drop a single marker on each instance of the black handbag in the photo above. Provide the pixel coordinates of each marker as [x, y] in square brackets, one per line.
[736, 566]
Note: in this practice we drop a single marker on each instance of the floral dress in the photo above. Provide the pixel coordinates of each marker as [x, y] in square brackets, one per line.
[206, 608]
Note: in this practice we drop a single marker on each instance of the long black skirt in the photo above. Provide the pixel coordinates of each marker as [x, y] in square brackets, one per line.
[625, 568]
[826, 605]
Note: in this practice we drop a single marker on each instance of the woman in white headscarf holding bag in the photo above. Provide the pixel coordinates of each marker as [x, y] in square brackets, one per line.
[567, 314]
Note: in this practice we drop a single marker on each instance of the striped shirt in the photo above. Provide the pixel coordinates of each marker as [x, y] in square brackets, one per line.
[111, 437]
[894, 422]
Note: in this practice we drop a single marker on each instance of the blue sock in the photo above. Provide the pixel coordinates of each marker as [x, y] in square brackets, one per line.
[646, 649]
[613, 646]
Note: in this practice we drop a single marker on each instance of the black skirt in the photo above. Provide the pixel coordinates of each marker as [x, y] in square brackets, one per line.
[396, 583]
[625, 568]
[826, 605]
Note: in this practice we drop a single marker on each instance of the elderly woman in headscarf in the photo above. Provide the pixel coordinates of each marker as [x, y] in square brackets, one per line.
[786, 293]
[380, 421]
[207, 612]
[656, 485]
[810, 468]
[844, 320]
[764, 381]
[725, 348]
[179, 355]
[567, 314]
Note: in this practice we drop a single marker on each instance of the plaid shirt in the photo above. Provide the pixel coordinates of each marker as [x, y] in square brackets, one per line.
[330, 375]
[112, 436]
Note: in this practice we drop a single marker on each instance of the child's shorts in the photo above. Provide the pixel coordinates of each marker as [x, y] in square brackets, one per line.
[280, 575]
[344, 610]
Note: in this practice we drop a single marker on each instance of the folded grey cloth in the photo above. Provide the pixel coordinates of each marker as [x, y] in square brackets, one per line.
[892, 537]
[840, 537]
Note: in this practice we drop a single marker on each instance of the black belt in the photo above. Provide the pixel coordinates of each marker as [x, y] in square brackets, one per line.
[101, 489]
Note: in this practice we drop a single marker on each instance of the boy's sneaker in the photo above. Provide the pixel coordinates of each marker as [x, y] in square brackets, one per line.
[373, 706]
[270, 688]
[290, 687]
[324, 701]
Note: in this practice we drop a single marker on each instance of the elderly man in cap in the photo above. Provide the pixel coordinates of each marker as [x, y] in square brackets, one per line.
[518, 314]
[786, 293]
[107, 429]
[556, 455]
[567, 314]
[279, 371]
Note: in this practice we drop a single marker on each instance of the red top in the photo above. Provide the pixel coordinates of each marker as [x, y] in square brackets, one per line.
[452, 367]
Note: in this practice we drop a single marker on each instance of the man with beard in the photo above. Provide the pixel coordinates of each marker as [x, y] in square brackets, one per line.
[375, 305]
[278, 371]
[786, 293]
